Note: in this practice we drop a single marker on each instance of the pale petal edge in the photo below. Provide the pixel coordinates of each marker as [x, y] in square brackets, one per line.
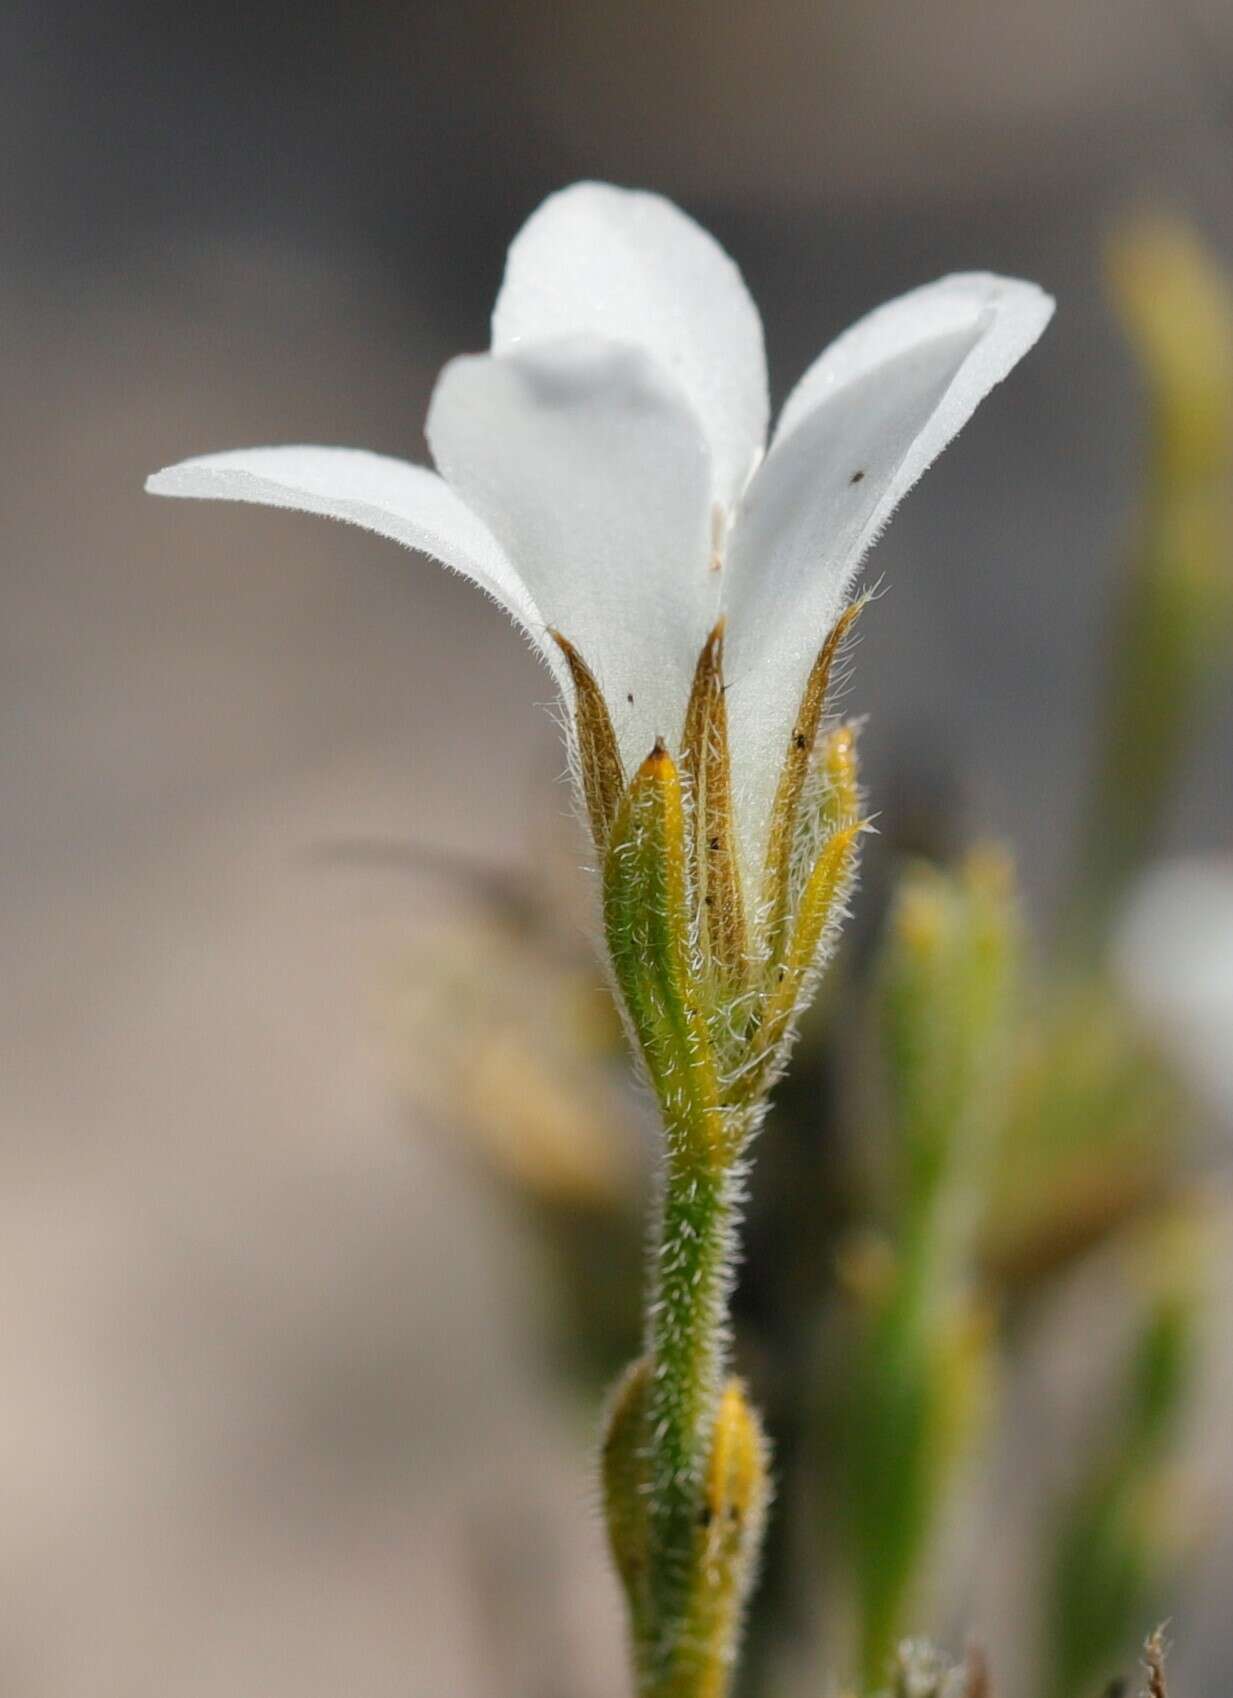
[819, 501]
[408, 504]
[1015, 314]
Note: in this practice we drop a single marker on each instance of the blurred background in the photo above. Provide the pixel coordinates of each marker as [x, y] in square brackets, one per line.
[278, 1411]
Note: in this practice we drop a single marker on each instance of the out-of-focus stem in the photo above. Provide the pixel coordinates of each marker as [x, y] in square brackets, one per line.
[1172, 628]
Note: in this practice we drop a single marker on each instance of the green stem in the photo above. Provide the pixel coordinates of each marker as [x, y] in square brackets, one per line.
[687, 1339]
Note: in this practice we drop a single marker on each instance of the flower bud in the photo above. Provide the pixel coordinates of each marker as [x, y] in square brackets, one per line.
[626, 1486]
[730, 1522]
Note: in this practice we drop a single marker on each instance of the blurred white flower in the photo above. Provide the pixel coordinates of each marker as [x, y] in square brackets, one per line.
[1173, 954]
[603, 470]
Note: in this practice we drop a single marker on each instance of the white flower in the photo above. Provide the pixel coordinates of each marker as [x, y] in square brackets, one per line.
[1173, 956]
[603, 470]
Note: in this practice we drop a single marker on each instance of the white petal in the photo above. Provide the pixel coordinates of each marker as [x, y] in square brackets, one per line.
[631, 267]
[1173, 956]
[1013, 314]
[592, 473]
[406, 503]
[858, 431]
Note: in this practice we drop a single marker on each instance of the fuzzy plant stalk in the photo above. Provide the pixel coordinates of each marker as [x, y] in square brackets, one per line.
[606, 475]
[710, 986]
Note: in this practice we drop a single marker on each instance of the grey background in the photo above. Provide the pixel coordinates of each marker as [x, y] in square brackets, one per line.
[273, 1414]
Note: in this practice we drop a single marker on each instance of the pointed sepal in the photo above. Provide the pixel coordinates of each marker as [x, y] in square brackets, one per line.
[781, 845]
[716, 870]
[599, 757]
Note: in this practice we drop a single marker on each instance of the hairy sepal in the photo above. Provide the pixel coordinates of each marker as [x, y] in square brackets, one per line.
[794, 779]
[723, 944]
[599, 758]
[819, 911]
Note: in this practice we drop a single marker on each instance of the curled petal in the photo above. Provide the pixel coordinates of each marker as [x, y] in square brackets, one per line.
[591, 471]
[857, 432]
[1011, 314]
[406, 503]
[631, 267]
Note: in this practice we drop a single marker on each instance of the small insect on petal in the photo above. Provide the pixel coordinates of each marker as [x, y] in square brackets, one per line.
[603, 772]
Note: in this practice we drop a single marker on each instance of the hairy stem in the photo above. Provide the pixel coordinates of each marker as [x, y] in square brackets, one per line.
[687, 1341]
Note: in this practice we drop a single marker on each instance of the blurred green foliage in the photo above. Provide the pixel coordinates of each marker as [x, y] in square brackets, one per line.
[1116, 1536]
[1174, 620]
[915, 1361]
